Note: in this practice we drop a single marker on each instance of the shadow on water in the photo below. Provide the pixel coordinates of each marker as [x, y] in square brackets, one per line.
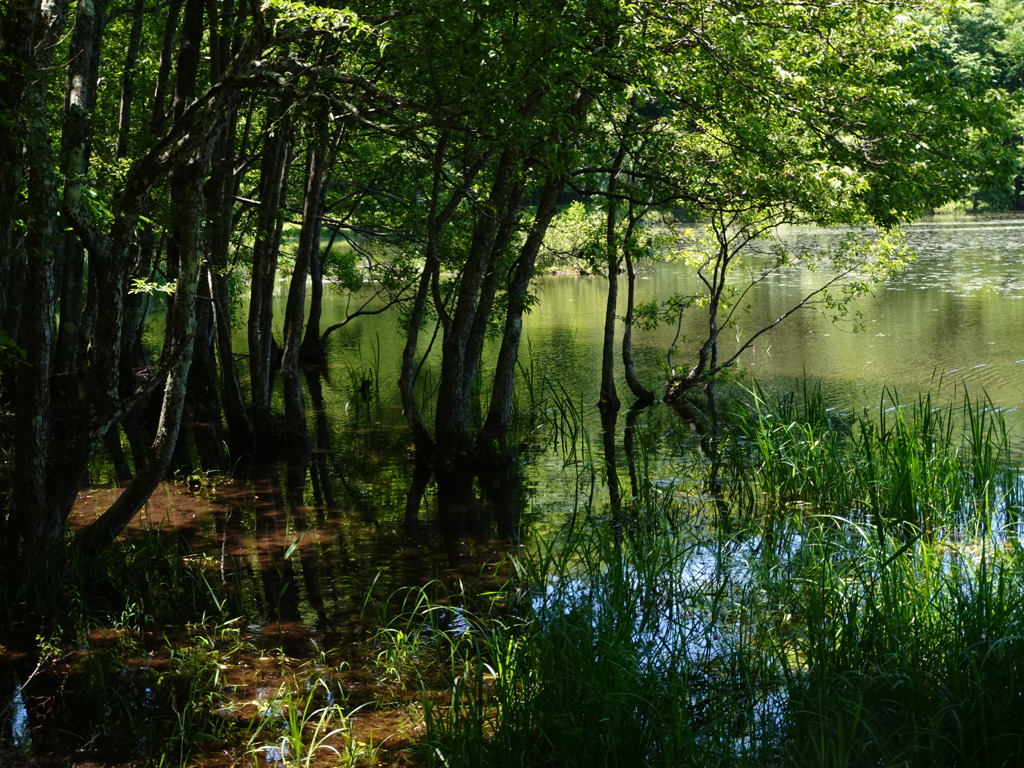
[311, 558]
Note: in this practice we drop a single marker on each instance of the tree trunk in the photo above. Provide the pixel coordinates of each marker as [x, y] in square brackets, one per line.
[36, 522]
[131, 57]
[312, 351]
[609, 399]
[76, 140]
[643, 395]
[464, 330]
[499, 415]
[158, 111]
[204, 404]
[296, 433]
[20, 24]
[438, 216]
[221, 188]
[262, 348]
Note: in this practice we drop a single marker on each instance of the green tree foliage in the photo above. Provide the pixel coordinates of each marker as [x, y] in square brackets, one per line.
[983, 50]
[765, 115]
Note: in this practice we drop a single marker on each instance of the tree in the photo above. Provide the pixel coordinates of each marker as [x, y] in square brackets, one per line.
[481, 149]
[73, 366]
[984, 48]
[828, 113]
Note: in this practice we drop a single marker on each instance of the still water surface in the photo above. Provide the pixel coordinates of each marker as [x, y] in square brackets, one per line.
[956, 312]
[953, 320]
[954, 316]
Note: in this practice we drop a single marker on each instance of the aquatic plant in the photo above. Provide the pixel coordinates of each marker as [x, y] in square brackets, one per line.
[924, 465]
[864, 611]
[300, 730]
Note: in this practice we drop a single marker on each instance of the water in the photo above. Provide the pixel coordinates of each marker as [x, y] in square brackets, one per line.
[956, 314]
[951, 322]
[953, 319]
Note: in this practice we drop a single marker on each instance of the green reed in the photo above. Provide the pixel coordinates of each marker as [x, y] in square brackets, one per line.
[867, 610]
[566, 423]
[304, 729]
[921, 465]
[910, 654]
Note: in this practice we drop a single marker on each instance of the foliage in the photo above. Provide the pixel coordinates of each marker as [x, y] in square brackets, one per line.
[144, 150]
[573, 242]
[984, 47]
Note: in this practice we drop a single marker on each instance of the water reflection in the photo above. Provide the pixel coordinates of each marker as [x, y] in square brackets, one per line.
[956, 307]
[951, 319]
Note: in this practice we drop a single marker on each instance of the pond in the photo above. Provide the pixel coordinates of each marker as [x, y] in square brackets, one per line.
[952, 322]
[954, 316]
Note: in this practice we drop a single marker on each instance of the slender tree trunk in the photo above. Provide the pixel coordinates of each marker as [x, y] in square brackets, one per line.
[437, 217]
[241, 439]
[643, 395]
[131, 58]
[421, 437]
[159, 112]
[407, 378]
[312, 351]
[707, 358]
[262, 348]
[609, 398]
[221, 189]
[296, 433]
[20, 25]
[204, 404]
[76, 140]
[499, 415]
[494, 435]
[37, 523]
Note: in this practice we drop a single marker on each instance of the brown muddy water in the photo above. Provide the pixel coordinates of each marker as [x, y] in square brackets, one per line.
[319, 580]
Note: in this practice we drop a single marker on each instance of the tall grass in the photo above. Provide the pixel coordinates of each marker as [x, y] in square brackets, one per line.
[911, 655]
[869, 612]
[923, 466]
